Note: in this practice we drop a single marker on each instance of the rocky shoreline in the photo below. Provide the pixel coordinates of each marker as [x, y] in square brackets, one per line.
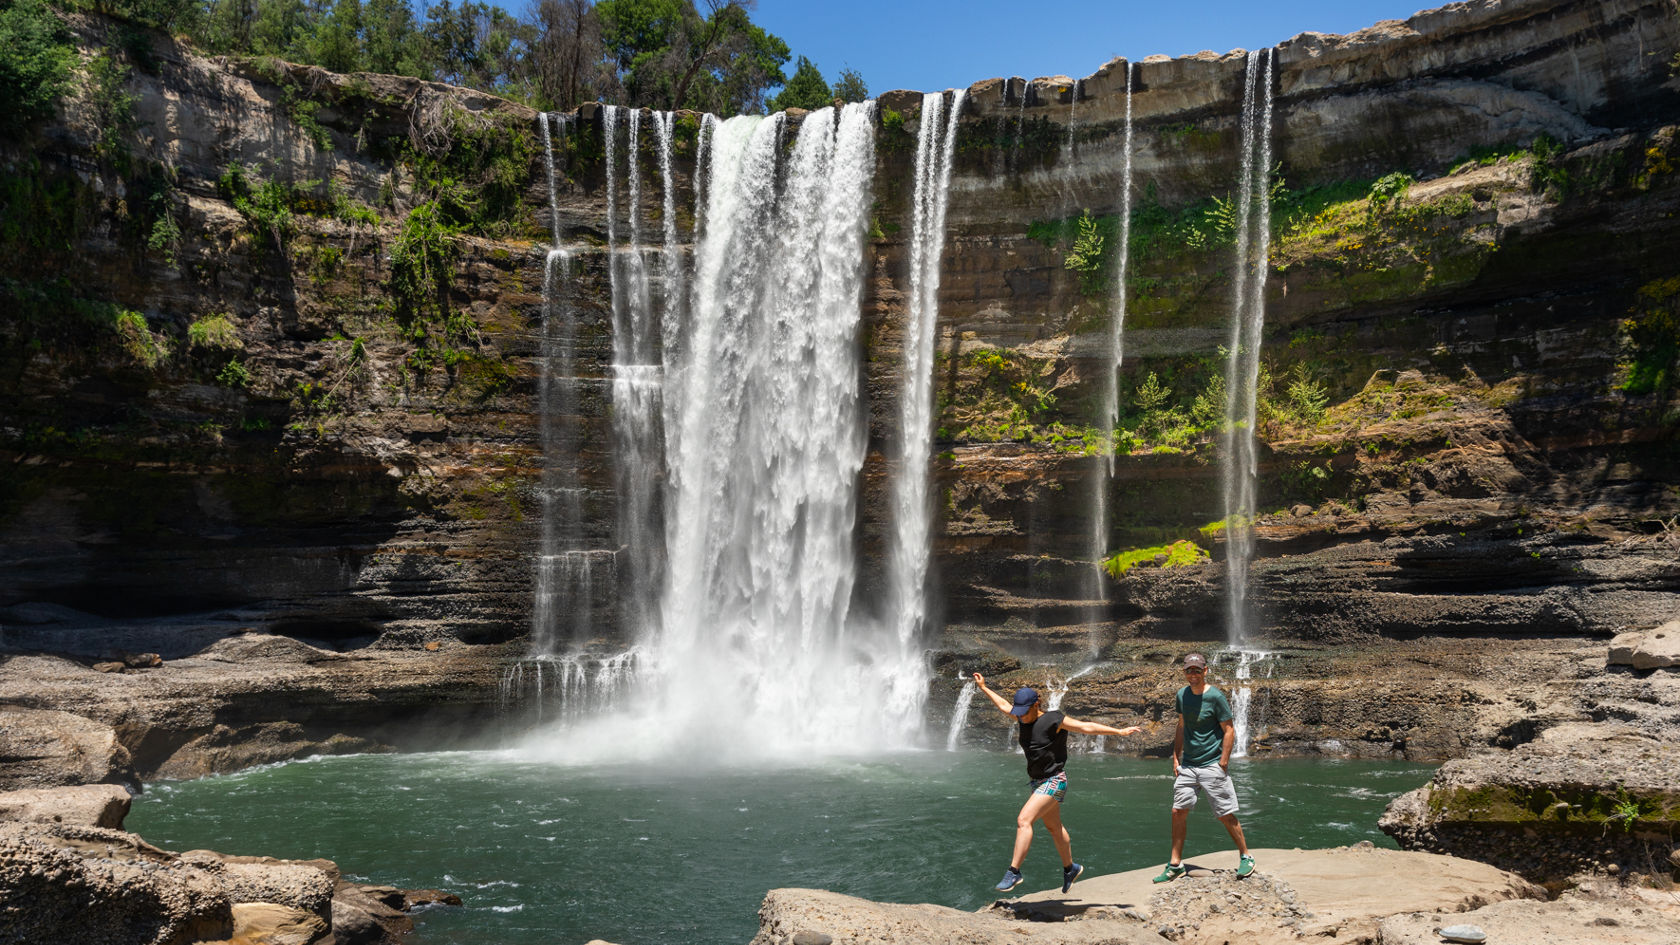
[68, 872]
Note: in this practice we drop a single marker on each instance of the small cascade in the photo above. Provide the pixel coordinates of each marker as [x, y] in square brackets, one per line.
[562, 611]
[1241, 707]
[567, 688]
[911, 504]
[637, 385]
[1109, 416]
[1073, 116]
[1020, 121]
[959, 715]
[1248, 314]
[1054, 690]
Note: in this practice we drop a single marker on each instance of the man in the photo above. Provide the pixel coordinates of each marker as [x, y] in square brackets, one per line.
[1201, 759]
[1043, 736]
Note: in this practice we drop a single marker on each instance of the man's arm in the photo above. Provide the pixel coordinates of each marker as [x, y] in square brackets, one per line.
[1096, 728]
[1227, 743]
[997, 700]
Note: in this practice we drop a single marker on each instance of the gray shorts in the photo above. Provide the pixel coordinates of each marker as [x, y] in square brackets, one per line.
[1211, 779]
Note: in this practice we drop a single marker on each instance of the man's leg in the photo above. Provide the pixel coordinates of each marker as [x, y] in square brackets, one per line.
[1032, 810]
[1058, 833]
[1180, 827]
[1236, 831]
[1222, 793]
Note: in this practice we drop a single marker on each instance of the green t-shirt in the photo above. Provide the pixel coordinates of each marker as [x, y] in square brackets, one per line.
[1204, 736]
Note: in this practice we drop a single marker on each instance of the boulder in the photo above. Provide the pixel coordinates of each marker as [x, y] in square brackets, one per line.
[267, 923]
[46, 748]
[1582, 797]
[85, 805]
[61, 883]
[1647, 649]
[296, 885]
[360, 917]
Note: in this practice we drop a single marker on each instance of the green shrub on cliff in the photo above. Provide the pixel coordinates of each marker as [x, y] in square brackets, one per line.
[35, 61]
[147, 350]
[1651, 339]
[214, 333]
[1179, 554]
[475, 169]
[422, 268]
[1086, 257]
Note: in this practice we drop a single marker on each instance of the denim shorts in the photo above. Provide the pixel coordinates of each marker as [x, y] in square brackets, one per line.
[1210, 778]
[1054, 786]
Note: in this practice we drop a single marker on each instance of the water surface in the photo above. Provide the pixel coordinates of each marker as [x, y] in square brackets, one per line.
[664, 854]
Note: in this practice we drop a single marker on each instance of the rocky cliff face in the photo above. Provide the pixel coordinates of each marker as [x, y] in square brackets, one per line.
[273, 343]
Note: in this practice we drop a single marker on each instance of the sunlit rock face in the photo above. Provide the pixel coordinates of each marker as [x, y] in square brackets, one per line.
[1480, 465]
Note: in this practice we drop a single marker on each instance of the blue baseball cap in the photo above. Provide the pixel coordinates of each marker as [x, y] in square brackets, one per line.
[1025, 698]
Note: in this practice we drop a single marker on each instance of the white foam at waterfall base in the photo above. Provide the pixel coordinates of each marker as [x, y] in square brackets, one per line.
[1244, 719]
[959, 714]
[755, 650]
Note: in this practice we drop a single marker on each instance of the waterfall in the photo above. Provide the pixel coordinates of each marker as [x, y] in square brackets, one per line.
[1248, 313]
[765, 452]
[637, 391]
[1073, 112]
[562, 611]
[959, 715]
[1054, 690]
[1020, 119]
[566, 688]
[1103, 475]
[1241, 707]
[912, 510]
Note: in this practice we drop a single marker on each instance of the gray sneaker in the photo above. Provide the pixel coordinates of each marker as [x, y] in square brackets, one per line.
[1011, 878]
[1069, 874]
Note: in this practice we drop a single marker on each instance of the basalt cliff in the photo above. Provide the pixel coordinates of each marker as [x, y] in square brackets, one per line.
[272, 351]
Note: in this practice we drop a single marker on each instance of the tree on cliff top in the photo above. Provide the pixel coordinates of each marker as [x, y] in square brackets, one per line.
[568, 60]
[850, 87]
[35, 60]
[668, 55]
[805, 90]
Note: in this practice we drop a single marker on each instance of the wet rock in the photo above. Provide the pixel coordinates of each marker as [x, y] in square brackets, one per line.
[415, 898]
[361, 917]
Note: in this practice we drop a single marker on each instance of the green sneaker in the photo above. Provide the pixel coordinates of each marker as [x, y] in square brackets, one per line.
[1245, 866]
[1172, 872]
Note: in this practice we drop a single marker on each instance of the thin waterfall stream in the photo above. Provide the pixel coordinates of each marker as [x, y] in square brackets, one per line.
[1248, 315]
[1108, 416]
[911, 499]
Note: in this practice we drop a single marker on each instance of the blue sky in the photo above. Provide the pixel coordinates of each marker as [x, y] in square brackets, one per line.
[935, 44]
